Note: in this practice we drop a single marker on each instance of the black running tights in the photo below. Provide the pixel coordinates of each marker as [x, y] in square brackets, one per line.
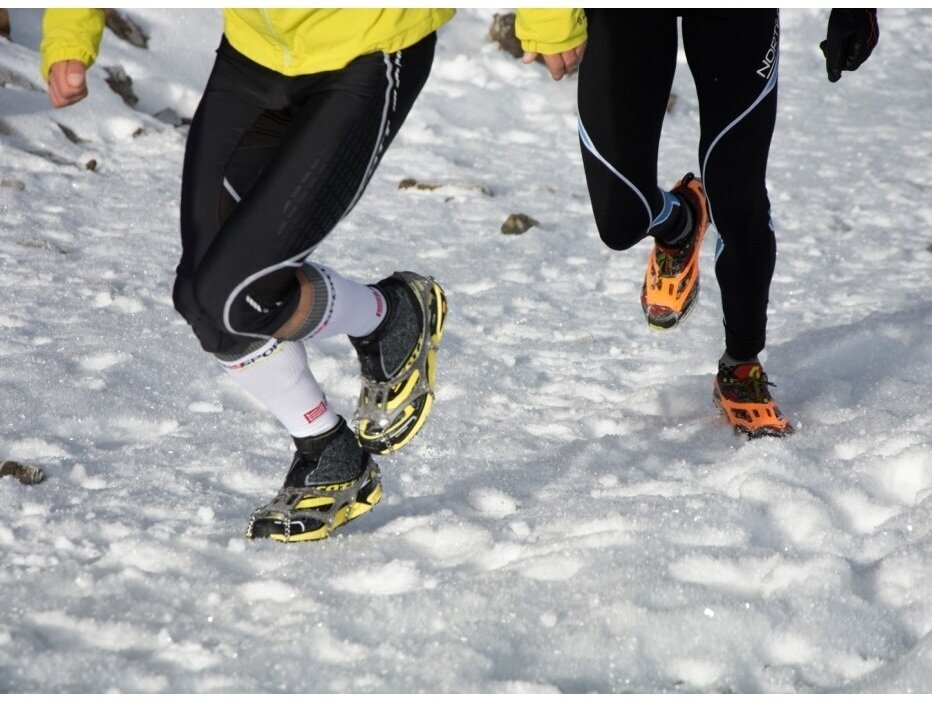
[272, 164]
[624, 84]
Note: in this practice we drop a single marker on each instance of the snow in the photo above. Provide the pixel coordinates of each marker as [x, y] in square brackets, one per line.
[575, 516]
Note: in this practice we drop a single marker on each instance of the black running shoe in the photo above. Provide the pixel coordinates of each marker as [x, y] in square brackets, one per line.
[331, 481]
[398, 361]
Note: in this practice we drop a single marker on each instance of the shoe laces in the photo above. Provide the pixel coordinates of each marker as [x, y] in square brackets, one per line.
[671, 259]
[745, 383]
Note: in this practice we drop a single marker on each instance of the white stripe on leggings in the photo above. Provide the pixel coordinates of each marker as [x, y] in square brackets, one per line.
[299, 259]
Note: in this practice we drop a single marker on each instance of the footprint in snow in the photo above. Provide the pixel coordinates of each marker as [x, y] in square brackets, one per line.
[103, 361]
[394, 578]
[492, 502]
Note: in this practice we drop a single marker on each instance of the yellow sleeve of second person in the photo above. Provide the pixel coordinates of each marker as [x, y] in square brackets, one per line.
[70, 34]
[550, 31]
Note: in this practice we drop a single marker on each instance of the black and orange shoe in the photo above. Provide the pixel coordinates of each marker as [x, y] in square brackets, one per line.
[398, 362]
[671, 282]
[331, 481]
[742, 395]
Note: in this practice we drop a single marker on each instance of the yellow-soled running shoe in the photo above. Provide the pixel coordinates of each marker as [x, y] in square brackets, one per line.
[398, 362]
[671, 282]
[331, 481]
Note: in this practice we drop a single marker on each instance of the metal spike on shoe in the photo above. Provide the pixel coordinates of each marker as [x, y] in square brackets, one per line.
[740, 392]
[331, 481]
[394, 403]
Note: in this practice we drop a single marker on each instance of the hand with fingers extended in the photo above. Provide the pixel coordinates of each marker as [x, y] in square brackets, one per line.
[851, 37]
[67, 83]
[559, 65]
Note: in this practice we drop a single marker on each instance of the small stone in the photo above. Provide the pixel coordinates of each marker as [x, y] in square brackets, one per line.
[518, 224]
[14, 184]
[121, 84]
[419, 185]
[169, 116]
[26, 474]
[502, 32]
[127, 30]
[70, 134]
[452, 185]
[91, 165]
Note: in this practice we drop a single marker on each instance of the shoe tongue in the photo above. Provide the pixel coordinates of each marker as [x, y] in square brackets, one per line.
[314, 445]
[748, 370]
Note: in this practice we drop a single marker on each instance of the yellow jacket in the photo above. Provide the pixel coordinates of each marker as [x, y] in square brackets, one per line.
[291, 42]
[550, 31]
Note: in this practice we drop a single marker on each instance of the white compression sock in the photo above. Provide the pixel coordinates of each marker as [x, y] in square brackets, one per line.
[278, 377]
[341, 306]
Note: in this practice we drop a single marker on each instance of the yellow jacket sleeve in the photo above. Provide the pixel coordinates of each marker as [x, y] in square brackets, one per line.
[550, 31]
[70, 34]
[296, 41]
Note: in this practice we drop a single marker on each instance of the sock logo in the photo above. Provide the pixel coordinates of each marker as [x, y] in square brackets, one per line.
[261, 354]
[315, 413]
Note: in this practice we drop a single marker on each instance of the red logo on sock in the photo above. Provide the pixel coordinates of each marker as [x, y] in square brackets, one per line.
[316, 412]
[379, 304]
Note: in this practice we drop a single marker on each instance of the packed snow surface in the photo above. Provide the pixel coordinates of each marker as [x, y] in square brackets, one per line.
[575, 516]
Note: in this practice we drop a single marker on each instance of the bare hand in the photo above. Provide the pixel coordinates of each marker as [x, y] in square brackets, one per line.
[562, 64]
[67, 83]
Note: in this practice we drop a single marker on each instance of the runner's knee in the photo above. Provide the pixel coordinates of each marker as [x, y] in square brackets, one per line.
[210, 333]
[620, 225]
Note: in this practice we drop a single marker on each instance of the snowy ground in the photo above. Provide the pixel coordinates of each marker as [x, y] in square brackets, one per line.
[574, 517]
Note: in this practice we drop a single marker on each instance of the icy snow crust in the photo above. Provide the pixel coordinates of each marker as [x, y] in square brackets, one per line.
[574, 517]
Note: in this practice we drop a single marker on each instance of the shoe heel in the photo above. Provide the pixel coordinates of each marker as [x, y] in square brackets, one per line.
[438, 306]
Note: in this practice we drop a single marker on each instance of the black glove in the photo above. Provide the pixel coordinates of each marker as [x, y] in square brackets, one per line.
[851, 37]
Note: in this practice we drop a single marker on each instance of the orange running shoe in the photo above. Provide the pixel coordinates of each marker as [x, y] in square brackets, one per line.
[671, 282]
[741, 393]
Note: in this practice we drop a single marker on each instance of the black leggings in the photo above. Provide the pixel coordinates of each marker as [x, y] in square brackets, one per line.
[624, 84]
[272, 164]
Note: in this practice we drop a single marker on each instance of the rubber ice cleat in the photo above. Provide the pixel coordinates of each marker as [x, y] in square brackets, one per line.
[398, 362]
[671, 281]
[331, 481]
[741, 393]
